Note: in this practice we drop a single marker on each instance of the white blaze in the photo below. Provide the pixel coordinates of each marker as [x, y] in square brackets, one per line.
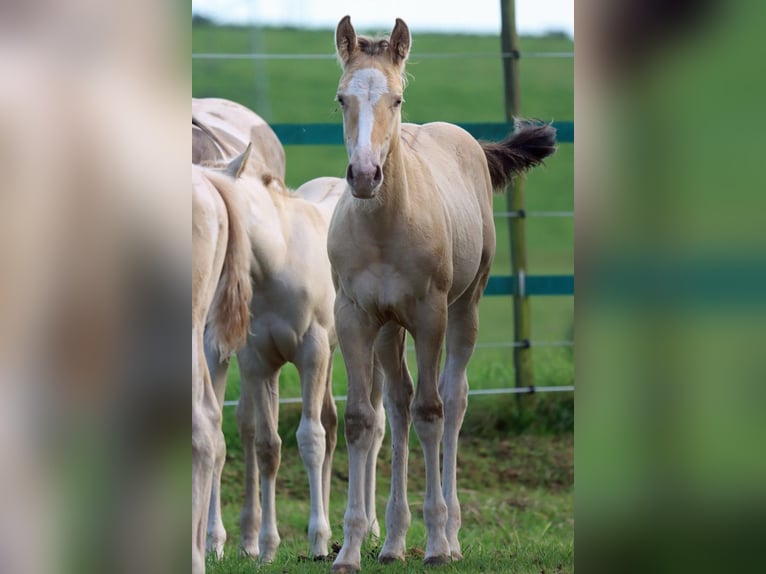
[367, 85]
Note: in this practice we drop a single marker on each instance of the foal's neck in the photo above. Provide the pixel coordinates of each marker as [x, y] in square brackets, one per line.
[394, 193]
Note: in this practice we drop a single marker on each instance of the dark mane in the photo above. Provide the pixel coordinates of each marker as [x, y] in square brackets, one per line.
[372, 46]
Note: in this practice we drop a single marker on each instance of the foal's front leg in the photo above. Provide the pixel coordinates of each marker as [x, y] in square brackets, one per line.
[428, 418]
[356, 334]
[398, 387]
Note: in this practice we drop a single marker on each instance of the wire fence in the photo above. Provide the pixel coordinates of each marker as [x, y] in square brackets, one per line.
[525, 213]
[475, 392]
[472, 393]
[415, 57]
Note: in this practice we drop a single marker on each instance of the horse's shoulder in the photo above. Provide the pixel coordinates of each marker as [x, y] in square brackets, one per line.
[442, 135]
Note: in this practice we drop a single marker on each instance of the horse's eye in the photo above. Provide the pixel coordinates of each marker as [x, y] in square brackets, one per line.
[397, 102]
[340, 100]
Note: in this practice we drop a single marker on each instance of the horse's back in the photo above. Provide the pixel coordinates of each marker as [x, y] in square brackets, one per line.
[235, 126]
[324, 192]
[453, 166]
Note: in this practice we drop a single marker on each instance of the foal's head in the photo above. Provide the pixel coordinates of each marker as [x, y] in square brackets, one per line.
[370, 94]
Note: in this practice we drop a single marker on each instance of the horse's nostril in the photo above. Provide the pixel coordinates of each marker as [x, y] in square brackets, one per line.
[378, 174]
[349, 173]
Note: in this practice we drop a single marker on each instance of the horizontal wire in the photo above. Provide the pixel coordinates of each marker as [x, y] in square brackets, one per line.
[504, 344]
[427, 56]
[473, 393]
[535, 213]
[514, 344]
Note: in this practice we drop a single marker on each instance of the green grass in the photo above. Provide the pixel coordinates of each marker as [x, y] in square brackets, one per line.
[516, 496]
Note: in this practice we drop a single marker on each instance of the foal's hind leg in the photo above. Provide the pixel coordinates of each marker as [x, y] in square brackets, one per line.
[330, 423]
[206, 428]
[216, 533]
[462, 331]
[312, 361]
[379, 431]
[257, 416]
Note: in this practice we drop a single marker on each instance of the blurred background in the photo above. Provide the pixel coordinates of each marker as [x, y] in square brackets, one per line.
[670, 283]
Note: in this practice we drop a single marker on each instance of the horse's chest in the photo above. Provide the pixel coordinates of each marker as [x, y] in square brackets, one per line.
[385, 288]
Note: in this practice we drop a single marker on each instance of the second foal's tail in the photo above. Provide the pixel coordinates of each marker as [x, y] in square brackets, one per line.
[528, 145]
[229, 315]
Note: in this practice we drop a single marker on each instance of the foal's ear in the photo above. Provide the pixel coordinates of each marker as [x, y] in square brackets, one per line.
[345, 40]
[400, 41]
[238, 164]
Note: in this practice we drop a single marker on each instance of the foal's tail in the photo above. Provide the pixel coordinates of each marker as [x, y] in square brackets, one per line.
[229, 315]
[526, 147]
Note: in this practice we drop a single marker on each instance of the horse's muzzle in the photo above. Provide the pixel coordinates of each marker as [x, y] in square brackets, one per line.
[364, 183]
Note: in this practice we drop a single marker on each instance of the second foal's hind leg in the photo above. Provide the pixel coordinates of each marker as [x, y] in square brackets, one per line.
[330, 424]
[379, 431]
[312, 363]
[257, 415]
[462, 331]
[216, 533]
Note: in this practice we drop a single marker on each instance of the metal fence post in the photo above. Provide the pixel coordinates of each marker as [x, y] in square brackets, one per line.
[522, 323]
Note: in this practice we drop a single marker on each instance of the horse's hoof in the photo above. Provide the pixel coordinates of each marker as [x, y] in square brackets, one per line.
[390, 558]
[437, 560]
[456, 555]
[345, 568]
[251, 553]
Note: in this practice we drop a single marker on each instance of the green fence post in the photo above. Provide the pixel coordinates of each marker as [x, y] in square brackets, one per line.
[522, 322]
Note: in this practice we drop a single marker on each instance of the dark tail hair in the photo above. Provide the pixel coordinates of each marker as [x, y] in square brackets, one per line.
[526, 147]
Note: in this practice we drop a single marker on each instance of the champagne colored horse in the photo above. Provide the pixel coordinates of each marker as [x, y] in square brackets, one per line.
[411, 245]
[220, 130]
[291, 321]
[221, 294]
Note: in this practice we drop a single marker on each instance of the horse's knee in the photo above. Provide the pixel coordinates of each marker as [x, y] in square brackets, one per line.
[311, 441]
[204, 439]
[269, 452]
[455, 398]
[428, 412]
[359, 420]
[428, 419]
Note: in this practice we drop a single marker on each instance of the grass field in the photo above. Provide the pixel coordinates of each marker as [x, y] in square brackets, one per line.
[515, 467]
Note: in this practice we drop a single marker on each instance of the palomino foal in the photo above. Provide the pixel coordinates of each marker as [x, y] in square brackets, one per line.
[411, 244]
[291, 321]
[221, 296]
